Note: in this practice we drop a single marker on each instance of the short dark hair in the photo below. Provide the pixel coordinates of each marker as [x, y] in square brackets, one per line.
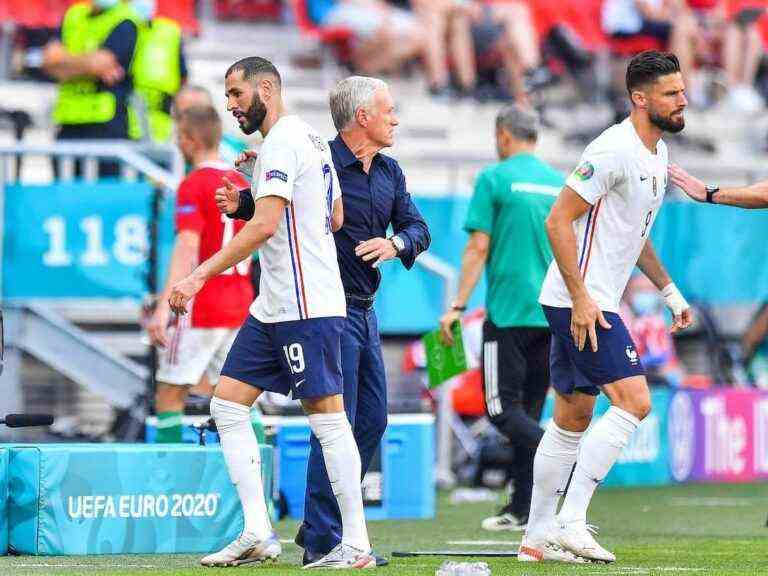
[648, 66]
[254, 66]
[203, 124]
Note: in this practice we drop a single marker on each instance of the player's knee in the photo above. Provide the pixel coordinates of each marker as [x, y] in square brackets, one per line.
[575, 421]
[639, 407]
[227, 414]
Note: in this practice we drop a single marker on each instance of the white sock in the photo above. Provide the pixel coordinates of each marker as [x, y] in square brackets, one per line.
[599, 451]
[552, 467]
[243, 458]
[342, 461]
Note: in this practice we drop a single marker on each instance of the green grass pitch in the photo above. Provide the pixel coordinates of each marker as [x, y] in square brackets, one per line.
[691, 530]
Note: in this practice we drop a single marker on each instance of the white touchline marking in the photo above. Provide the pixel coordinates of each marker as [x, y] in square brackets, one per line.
[722, 501]
[287, 541]
[95, 566]
[482, 543]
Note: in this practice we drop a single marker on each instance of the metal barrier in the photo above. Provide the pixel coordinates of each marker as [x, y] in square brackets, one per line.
[58, 342]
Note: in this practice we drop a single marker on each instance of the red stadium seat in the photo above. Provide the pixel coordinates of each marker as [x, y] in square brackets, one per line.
[34, 13]
[337, 38]
[628, 47]
[248, 9]
[182, 11]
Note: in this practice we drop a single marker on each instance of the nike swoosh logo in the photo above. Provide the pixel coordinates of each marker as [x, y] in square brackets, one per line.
[643, 178]
[300, 382]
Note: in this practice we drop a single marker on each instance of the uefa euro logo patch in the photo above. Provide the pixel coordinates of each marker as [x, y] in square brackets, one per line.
[585, 171]
[632, 355]
[277, 174]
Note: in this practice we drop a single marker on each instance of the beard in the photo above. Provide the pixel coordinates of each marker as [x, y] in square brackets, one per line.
[254, 116]
[667, 124]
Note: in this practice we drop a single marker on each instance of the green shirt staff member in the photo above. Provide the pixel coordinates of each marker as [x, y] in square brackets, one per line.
[506, 225]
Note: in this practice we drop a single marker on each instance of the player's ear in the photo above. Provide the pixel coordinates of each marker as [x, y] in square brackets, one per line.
[266, 88]
[638, 98]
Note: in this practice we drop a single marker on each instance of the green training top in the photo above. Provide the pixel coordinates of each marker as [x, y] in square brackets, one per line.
[511, 201]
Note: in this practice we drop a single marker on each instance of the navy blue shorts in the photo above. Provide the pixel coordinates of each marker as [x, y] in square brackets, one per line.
[571, 370]
[302, 357]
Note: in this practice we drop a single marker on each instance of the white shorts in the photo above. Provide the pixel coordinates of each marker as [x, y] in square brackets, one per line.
[193, 352]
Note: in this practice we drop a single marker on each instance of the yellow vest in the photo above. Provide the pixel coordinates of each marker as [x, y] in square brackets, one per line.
[83, 100]
[156, 77]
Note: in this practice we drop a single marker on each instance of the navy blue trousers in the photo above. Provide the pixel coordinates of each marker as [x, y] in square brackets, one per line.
[365, 400]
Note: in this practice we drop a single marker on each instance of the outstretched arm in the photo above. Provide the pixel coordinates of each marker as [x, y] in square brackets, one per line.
[269, 214]
[754, 196]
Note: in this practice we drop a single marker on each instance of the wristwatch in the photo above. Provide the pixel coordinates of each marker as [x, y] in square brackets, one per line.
[711, 191]
[457, 308]
[398, 243]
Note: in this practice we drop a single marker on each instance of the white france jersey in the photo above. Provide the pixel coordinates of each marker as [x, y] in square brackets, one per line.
[625, 184]
[299, 269]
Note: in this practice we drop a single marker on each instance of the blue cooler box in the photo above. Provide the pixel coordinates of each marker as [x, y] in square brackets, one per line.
[122, 498]
[400, 483]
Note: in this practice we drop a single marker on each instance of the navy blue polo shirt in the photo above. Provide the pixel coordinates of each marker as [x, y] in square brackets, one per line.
[372, 202]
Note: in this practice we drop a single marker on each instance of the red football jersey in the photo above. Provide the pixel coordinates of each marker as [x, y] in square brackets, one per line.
[224, 300]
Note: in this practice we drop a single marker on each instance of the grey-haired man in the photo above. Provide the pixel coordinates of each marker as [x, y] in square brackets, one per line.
[507, 237]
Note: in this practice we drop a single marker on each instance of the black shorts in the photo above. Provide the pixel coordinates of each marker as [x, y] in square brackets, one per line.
[515, 364]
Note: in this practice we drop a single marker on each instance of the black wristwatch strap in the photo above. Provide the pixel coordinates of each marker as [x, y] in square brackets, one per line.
[711, 191]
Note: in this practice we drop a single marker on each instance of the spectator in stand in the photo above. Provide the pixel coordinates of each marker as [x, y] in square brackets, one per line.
[742, 51]
[670, 22]
[448, 37]
[92, 61]
[642, 310]
[504, 28]
[384, 37]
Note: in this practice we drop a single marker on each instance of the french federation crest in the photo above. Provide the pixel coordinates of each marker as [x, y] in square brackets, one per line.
[632, 355]
[585, 171]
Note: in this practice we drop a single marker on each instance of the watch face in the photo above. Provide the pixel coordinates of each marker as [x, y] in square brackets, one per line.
[398, 242]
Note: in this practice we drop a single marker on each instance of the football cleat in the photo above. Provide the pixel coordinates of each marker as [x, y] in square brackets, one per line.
[344, 557]
[577, 537]
[505, 520]
[547, 551]
[246, 549]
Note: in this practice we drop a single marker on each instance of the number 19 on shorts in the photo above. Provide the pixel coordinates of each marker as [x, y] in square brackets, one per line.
[294, 355]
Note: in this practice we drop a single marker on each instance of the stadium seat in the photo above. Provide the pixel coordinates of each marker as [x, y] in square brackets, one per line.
[182, 11]
[336, 38]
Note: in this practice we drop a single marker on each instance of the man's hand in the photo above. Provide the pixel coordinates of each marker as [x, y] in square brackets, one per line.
[446, 326]
[682, 321]
[227, 197]
[245, 162]
[379, 248]
[584, 315]
[183, 292]
[694, 187]
[158, 325]
[682, 314]
[106, 67]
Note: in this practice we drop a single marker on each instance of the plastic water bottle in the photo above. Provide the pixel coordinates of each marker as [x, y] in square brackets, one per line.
[450, 568]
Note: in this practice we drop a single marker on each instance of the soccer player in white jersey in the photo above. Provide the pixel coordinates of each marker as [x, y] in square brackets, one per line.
[291, 341]
[599, 228]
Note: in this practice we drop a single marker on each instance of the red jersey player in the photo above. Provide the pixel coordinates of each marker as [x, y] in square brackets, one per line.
[198, 344]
